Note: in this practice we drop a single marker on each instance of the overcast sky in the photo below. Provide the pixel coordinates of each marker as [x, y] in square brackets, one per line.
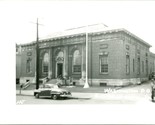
[17, 17]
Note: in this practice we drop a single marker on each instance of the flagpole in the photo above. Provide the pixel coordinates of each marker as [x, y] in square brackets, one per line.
[86, 85]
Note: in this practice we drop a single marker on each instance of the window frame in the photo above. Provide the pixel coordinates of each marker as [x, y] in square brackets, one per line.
[100, 65]
[133, 65]
[138, 66]
[143, 66]
[80, 66]
[43, 66]
[127, 64]
[29, 65]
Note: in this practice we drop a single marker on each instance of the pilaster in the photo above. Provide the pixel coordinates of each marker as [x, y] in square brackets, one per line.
[50, 64]
[65, 73]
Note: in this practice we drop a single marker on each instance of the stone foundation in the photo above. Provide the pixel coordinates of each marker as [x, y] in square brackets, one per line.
[112, 82]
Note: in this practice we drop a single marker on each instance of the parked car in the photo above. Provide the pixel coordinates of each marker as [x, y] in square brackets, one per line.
[51, 90]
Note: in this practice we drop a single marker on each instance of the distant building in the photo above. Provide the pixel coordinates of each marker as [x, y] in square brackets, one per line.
[152, 62]
[18, 63]
[115, 57]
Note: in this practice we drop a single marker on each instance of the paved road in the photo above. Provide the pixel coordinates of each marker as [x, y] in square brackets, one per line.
[139, 94]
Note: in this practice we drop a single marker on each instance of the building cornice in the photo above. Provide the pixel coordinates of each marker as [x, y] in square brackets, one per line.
[98, 32]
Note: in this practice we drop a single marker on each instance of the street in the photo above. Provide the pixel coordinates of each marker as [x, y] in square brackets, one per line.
[135, 94]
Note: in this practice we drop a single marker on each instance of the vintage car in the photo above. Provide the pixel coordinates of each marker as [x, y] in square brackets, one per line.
[52, 91]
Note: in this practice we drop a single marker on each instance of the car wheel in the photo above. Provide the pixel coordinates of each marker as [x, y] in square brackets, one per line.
[37, 95]
[55, 97]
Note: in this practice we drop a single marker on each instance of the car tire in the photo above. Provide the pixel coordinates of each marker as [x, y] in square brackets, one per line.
[55, 97]
[37, 95]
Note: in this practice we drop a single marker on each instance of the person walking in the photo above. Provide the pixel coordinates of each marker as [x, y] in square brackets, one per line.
[152, 89]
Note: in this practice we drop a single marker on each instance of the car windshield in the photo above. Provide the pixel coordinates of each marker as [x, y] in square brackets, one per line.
[51, 86]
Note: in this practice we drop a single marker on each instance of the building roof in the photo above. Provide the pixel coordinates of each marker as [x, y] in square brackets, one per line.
[90, 29]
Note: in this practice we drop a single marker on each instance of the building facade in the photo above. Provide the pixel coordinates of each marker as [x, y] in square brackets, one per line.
[115, 57]
[152, 62]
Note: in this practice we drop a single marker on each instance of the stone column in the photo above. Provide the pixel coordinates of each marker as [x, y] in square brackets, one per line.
[50, 64]
[65, 66]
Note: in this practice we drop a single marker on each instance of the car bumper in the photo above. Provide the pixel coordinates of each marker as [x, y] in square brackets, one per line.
[65, 95]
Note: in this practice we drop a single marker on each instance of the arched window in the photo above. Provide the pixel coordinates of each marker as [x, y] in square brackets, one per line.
[45, 63]
[28, 65]
[127, 64]
[76, 61]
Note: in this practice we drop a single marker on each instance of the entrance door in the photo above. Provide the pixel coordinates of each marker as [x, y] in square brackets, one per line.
[59, 69]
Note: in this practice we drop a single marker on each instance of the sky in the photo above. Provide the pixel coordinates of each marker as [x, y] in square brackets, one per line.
[19, 18]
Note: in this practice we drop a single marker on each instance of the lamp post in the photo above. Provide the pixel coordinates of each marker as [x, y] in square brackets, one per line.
[86, 85]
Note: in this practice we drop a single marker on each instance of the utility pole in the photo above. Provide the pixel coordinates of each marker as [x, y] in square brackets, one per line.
[37, 55]
[86, 80]
[37, 58]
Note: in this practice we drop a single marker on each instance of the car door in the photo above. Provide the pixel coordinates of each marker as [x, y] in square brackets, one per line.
[45, 92]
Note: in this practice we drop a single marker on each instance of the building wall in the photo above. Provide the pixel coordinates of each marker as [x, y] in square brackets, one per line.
[136, 49]
[152, 63]
[18, 62]
[118, 46]
[114, 50]
[28, 53]
[18, 66]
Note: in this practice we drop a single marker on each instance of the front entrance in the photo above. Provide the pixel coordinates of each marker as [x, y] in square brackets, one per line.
[59, 70]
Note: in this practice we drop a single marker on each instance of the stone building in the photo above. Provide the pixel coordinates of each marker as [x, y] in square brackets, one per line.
[115, 57]
[152, 62]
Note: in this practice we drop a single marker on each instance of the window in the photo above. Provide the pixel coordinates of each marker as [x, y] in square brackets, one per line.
[127, 64]
[76, 61]
[146, 67]
[138, 65]
[45, 63]
[28, 65]
[133, 65]
[146, 55]
[142, 66]
[104, 64]
[127, 47]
